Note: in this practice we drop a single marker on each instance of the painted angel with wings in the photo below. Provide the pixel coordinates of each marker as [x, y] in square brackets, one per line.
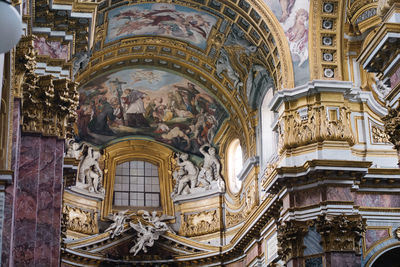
[117, 227]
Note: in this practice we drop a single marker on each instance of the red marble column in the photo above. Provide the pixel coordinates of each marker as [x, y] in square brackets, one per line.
[44, 220]
[57, 203]
[33, 203]
[8, 229]
[26, 204]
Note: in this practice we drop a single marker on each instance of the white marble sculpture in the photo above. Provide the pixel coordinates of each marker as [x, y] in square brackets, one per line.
[147, 234]
[90, 176]
[186, 175]
[74, 149]
[190, 182]
[117, 227]
[158, 222]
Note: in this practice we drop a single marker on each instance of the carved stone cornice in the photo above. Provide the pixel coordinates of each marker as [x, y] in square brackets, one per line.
[341, 232]
[290, 239]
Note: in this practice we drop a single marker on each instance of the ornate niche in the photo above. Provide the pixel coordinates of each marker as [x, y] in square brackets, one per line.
[144, 150]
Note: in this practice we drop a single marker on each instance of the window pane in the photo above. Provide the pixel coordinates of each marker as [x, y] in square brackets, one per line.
[137, 184]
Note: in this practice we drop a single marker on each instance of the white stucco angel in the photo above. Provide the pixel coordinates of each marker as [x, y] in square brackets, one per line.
[158, 222]
[146, 235]
[117, 227]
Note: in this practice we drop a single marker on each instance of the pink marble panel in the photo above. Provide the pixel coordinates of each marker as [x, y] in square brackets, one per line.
[339, 194]
[378, 200]
[374, 235]
[8, 230]
[236, 264]
[307, 197]
[26, 201]
[343, 259]
[44, 220]
[252, 253]
[57, 202]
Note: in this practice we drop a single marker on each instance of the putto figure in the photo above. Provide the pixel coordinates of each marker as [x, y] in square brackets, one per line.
[147, 234]
[117, 227]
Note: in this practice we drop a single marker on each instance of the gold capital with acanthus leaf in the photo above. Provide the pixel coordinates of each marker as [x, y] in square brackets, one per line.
[48, 104]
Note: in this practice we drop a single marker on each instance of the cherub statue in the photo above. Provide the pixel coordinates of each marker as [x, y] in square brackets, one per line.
[145, 237]
[158, 222]
[117, 227]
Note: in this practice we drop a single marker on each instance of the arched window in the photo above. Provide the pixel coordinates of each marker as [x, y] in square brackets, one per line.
[235, 165]
[136, 184]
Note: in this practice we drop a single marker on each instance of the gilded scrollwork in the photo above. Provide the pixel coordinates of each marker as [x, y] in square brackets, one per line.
[79, 220]
[201, 223]
[379, 135]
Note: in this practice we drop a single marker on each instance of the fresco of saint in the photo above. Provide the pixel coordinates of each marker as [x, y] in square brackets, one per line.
[152, 103]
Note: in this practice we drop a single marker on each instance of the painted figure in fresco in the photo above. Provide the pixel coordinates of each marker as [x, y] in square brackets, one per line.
[84, 113]
[187, 94]
[286, 6]
[101, 114]
[298, 36]
[161, 20]
[135, 111]
[176, 134]
[211, 166]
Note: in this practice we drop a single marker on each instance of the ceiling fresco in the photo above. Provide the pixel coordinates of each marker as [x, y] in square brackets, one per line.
[293, 16]
[167, 20]
[152, 103]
